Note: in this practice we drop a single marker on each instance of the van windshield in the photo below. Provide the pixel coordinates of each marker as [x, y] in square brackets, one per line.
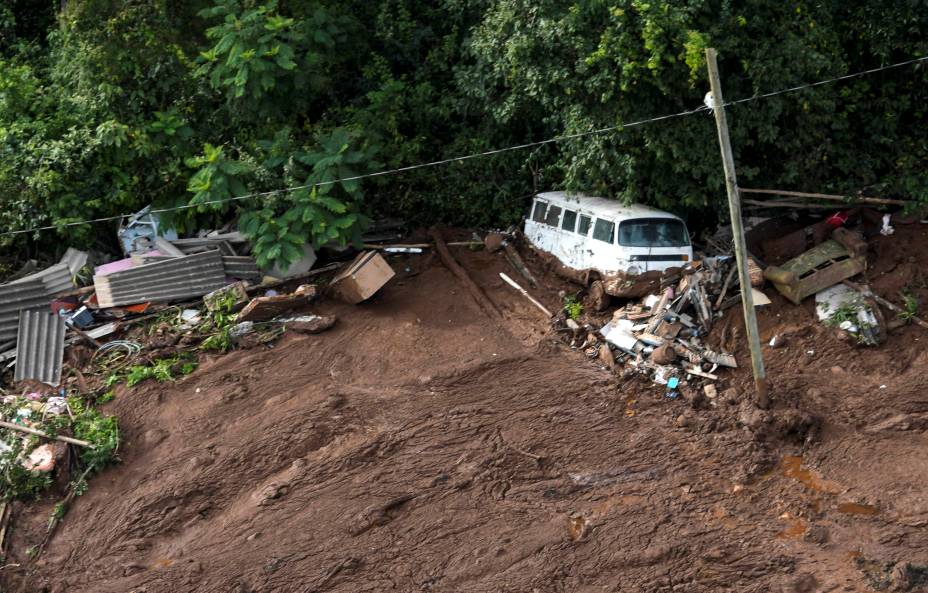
[653, 232]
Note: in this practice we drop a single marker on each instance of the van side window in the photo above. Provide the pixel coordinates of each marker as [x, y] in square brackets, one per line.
[554, 215]
[604, 230]
[584, 227]
[539, 214]
[570, 220]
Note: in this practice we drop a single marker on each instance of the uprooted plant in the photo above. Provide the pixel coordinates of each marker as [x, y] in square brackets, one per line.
[910, 306]
[18, 477]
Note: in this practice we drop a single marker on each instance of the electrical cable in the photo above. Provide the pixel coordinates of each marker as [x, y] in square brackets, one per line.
[467, 157]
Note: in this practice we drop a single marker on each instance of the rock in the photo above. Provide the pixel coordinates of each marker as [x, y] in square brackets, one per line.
[777, 341]
[314, 325]
[606, 356]
[751, 417]
[803, 584]
[730, 396]
[664, 355]
[682, 421]
[153, 437]
[710, 390]
[837, 370]
[253, 536]
[816, 534]
[895, 422]
[494, 242]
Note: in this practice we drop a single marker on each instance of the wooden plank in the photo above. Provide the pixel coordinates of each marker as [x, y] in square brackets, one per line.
[832, 197]
[482, 300]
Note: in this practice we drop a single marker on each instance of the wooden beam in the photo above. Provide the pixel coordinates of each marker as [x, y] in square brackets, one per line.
[833, 197]
[482, 300]
[761, 397]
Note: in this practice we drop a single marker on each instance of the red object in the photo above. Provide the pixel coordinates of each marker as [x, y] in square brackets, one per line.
[837, 220]
[140, 308]
[66, 304]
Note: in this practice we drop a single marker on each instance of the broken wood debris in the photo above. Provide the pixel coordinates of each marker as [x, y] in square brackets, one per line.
[662, 335]
[525, 293]
[482, 300]
[39, 433]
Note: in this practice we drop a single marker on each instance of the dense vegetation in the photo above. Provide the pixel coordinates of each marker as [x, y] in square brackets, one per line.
[107, 105]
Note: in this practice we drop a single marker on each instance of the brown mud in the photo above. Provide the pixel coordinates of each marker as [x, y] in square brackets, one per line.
[421, 446]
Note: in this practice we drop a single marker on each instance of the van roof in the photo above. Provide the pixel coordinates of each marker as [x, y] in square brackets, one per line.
[604, 207]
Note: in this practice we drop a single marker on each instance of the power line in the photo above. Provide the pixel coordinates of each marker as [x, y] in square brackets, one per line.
[474, 155]
[829, 81]
[366, 175]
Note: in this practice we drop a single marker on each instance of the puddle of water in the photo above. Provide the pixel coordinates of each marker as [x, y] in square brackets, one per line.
[855, 508]
[791, 467]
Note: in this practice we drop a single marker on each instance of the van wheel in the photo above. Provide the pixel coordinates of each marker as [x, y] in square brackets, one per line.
[597, 297]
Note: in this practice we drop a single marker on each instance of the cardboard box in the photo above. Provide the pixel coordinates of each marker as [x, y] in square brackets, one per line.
[362, 278]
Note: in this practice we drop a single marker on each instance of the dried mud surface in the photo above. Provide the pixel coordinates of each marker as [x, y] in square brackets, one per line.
[420, 446]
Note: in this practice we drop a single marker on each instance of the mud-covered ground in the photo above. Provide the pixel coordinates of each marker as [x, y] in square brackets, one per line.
[422, 446]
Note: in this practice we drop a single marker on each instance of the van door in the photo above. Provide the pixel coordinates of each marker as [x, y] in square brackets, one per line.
[572, 244]
[604, 253]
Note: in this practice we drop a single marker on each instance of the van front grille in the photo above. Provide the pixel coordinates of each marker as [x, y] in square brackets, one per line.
[662, 257]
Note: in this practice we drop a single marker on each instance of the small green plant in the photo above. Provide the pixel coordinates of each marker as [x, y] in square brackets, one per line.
[847, 311]
[221, 341]
[106, 397]
[910, 306]
[573, 307]
[160, 371]
[58, 513]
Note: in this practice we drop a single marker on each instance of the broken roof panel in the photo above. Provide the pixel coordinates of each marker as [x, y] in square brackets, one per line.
[75, 259]
[161, 282]
[40, 347]
[242, 267]
[31, 292]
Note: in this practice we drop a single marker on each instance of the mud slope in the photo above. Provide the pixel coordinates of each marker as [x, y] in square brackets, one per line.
[422, 446]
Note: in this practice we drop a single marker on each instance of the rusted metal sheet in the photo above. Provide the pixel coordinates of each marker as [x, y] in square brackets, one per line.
[40, 347]
[29, 293]
[162, 282]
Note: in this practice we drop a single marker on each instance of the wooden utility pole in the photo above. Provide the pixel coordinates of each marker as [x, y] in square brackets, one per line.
[741, 256]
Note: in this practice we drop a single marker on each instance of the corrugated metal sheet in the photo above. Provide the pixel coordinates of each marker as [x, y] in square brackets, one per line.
[241, 267]
[32, 292]
[75, 259]
[172, 280]
[40, 347]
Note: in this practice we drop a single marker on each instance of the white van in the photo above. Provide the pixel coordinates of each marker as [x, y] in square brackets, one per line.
[615, 242]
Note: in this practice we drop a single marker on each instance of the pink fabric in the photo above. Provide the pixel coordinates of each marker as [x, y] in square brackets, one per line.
[118, 266]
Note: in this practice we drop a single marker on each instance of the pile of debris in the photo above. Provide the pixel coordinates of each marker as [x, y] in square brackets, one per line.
[43, 312]
[663, 335]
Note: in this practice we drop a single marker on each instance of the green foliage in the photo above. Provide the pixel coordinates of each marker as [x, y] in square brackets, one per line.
[910, 306]
[161, 370]
[220, 341]
[101, 431]
[16, 482]
[107, 106]
[84, 422]
[573, 307]
[106, 397]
